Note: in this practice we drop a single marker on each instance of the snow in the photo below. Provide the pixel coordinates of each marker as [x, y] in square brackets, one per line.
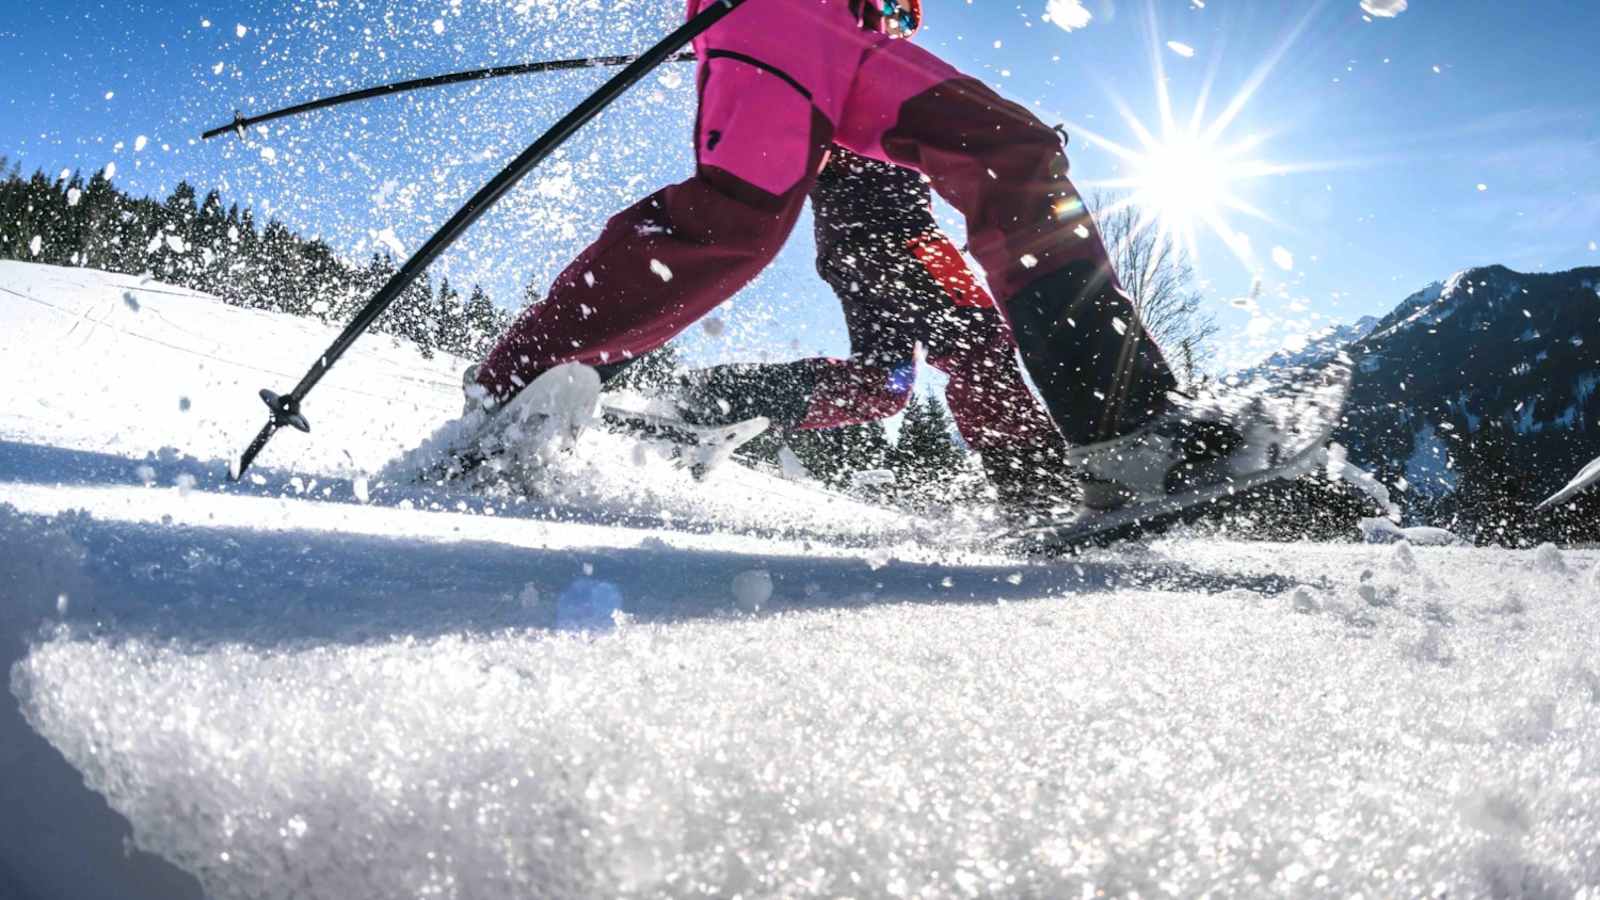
[1069, 15]
[287, 688]
[1429, 467]
[1384, 9]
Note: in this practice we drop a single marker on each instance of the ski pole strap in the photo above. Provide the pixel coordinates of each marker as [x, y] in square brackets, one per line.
[241, 122]
[286, 409]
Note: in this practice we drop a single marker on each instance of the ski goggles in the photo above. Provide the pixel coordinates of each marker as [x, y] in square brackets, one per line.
[907, 17]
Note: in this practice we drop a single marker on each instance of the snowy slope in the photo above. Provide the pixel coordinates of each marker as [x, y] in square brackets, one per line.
[282, 690]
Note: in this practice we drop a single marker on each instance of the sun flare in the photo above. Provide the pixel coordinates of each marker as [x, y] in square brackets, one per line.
[1187, 176]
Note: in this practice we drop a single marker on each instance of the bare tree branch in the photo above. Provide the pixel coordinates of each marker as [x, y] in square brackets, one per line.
[1156, 273]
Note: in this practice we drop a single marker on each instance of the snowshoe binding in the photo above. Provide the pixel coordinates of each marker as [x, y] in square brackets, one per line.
[543, 419]
[1202, 455]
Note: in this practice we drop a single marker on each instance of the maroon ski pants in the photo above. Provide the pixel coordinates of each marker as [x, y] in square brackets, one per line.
[779, 82]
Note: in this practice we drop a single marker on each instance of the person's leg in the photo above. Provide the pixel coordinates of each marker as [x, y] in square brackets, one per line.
[772, 80]
[1098, 371]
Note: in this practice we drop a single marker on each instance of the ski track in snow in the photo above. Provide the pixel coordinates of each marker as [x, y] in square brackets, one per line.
[288, 691]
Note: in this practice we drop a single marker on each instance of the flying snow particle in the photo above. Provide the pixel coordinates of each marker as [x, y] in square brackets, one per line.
[176, 244]
[1067, 14]
[239, 31]
[205, 23]
[1081, 231]
[110, 94]
[185, 483]
[146, 475]
[1029, 260]
[61, 604]
[752, 590]
[74, 196]
[217, 69]
[361, 489]
[319, 308]
[661, 270]
[1593, 246]
[713, 326]
[1283, 258]
[139, 143]
[1482, 187]
[269, 154]
[387, 238]
[36, 245]
[111, 170]
[1180, 48]
[438, 26]
[185, 404]
[1383, 9]
[1120, 326]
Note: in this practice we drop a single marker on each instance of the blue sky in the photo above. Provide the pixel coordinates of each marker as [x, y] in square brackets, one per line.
[1384, 128]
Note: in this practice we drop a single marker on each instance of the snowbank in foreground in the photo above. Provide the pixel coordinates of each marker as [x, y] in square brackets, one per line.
[1391, 721]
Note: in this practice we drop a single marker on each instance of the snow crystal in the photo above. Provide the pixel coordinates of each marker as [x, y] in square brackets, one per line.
[1180, 48]
[176, 244]
[1082, 231]
[660, 269]
[146, 474]
[139, 143]
[239, 31]
[387, 238]
[111, 170]
[184, 483]
[438, 26]
[269, 154]
[74, 196]
[1548, 560]
[1069, 15]
[1119, 326]
[752, 590]
[1283, 258]
[36, 246]
[1482, 187]
[1029, 260]
[361, 488]
[1384, 9]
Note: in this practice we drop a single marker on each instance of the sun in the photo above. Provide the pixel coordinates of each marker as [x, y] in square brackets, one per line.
[1187, 176]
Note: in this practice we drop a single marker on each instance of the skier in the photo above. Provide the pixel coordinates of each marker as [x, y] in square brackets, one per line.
[781, 82]
[901, 283]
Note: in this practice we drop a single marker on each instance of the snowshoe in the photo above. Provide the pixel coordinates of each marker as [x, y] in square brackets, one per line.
[1202, 456]
[698, 448]
[543, 419]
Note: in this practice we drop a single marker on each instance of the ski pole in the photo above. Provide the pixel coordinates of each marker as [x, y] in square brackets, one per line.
[241, 122]
[285, 408]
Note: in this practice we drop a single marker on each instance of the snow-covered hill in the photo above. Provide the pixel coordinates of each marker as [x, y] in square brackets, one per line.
[322, 686]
